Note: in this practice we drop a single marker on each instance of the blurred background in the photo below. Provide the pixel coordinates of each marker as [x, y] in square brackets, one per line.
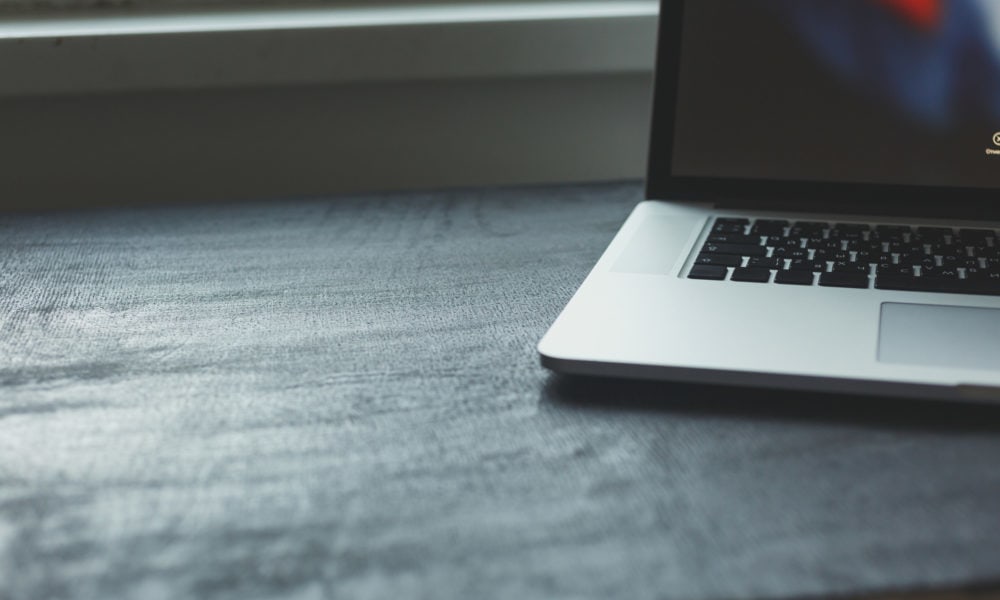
[139, 101]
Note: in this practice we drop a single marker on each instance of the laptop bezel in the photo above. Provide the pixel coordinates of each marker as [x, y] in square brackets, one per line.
[859, 198]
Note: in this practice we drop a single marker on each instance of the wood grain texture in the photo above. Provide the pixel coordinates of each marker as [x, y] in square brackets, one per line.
[341, 399]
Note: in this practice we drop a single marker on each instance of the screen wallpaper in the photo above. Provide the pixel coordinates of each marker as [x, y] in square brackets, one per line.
[873, 91]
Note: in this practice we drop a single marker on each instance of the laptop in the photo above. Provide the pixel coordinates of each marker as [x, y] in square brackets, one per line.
[823, 205]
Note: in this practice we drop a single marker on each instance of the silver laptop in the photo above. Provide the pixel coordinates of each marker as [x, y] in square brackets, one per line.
[824, 205]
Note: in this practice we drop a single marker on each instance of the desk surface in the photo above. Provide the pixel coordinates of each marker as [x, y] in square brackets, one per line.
[341, 398]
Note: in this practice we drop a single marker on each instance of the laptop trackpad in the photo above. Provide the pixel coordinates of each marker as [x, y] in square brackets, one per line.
[939, 336]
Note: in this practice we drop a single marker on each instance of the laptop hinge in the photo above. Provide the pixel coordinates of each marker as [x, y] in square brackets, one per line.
[940, 210]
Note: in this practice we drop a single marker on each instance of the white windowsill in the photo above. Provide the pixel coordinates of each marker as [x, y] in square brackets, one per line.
[267, 47]
[320, 18]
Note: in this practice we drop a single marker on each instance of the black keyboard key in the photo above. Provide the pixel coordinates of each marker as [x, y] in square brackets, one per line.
[982, 275]
[849, 267]
[903, 284]
[893, 230]
[843, 231]
[844, 280]
[765, 262]
[907, 248]
[751, 275]
[878, 241]
[813, 266]
[856, 245]
[934, 234]
[846, 235]
[894, 271]
[709, 272]
[914, 259]
[956, 249]
[823, 244]
[927, 263]
[794, 253]
[852, 227]
[939, 272]
[939, 285]
[973, 236]
[734, 238]
[719, 260]
[769, 227]
[730, 226]
[794, 277]
[863, 246]
[809, 228]
[832, 255]
[777, 241]
[734, 249]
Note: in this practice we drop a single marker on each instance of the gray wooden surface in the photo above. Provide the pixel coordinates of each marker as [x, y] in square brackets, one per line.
[341, 399]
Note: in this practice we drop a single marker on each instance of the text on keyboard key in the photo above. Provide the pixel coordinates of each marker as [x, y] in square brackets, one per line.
[734, 249]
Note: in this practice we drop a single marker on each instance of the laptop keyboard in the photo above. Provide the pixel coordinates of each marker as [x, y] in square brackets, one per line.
[851, 255]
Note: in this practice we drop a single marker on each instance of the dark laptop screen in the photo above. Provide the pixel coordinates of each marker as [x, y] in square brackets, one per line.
[859, 91]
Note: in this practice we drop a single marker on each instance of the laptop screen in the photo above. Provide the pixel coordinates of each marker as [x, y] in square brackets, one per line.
[902, 92]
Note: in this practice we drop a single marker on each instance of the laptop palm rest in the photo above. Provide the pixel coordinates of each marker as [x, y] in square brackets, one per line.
[939, 336]
[657, 244]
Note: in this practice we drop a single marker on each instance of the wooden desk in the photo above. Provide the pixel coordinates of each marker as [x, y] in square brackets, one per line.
[341, 398]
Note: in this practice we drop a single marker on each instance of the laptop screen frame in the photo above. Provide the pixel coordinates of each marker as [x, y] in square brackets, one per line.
[862, 198]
